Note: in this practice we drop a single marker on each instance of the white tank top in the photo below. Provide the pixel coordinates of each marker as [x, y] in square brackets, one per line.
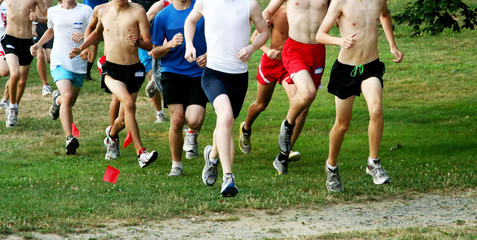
[227, 30]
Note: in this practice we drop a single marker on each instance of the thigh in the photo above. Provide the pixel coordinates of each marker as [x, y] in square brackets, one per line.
[372, 92]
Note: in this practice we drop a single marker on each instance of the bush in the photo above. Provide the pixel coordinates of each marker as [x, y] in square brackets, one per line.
[433, 16]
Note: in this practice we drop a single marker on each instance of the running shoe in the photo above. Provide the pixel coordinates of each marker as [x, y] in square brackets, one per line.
[284, 139]
[281, 166]
[11, 117]
[333, 181]
[191, 145]
[4, 104]
[160, 117]
[209, 173]
[151, 89]
[377, 172]
[294, 156]
[175, 172]
[244, 140]
[146, 158]
[111, 145]
[71, 145]
[45, 90]
[55, 108]
[228, 186]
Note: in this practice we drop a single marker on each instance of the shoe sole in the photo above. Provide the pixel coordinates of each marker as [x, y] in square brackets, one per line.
[294, 157]
[229, 191]
[241, 146]
[205, 157]
[154, 157]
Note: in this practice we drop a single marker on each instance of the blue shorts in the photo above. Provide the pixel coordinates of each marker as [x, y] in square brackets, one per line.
[146, 60]
[59, 73]
[235, 86]
[94, 3]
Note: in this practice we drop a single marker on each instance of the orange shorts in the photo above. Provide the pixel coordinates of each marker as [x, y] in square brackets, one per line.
[271, 70]
[298, 56]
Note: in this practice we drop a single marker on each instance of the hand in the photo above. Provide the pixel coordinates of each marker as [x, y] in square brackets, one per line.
[33, 49]
[349, 42]
[85, 54]
[77, 37]
[274, 54]
[177, 40]
[33, 16]
[398, 54]
[244, 54]
[202, 60]
[133, 40]
[75, 52]
[190, 54]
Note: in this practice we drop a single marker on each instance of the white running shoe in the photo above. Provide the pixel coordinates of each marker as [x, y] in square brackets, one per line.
[377, 172]
[146, 158]
[209, 172]
[294, 156]
[11, 117]
[191, 144]
[160, 117]
[228, 188]
[45, 90]
[111, 145]
[4, 104]
[151, 89]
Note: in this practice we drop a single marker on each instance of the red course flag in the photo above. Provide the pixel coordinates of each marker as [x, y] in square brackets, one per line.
[111, 174]
[128, 140]
[75, 130]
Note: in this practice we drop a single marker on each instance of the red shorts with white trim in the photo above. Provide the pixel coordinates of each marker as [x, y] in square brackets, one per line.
[100, 62]
[271, 70]
[298, 56]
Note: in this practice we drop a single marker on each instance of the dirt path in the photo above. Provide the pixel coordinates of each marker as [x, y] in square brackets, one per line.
[421, 210]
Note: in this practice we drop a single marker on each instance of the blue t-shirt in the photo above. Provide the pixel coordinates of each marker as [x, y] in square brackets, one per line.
[168, 23]
[94, 3]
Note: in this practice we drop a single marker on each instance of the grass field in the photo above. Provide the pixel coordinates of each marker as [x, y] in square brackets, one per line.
[429, 145]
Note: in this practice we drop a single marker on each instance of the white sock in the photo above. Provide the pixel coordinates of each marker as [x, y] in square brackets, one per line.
[13, 105]
[160, 111]
[177, 164]
[224, 177]
[330, 167]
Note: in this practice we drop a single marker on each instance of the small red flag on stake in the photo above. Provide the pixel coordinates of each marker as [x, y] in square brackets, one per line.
[74, 130]
[111, 174]
[127, 140]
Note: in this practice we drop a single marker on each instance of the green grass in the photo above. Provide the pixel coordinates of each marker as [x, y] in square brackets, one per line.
[430, 103]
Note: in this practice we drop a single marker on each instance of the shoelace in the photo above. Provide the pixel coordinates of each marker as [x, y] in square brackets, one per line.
[355, 70]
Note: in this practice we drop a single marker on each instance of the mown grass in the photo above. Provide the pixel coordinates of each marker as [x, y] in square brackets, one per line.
[430, 103]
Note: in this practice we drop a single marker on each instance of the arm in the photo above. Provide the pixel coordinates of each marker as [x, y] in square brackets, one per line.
[272, 8]
[34, 17]
[323, 36]
[143, 39]
[161, 51]
[387, 24]
[154, 9]
[42, 7]
[189, 30]
[92, 38]
[263, 34]
[47, 36]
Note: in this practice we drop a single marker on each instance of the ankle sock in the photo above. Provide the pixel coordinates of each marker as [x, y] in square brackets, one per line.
[177, 164]
[330, 167]
[13, 105]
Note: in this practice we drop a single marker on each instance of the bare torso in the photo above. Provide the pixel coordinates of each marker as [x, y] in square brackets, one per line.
[279, 31]
[117, 23]
[18, 17]
[304, 18]
[352, 20]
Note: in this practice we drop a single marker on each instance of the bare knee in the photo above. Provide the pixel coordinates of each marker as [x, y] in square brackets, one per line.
[129, 105]
[261, 106]
[376, 113]
[177, 122]
[341, 127]
[226, 119]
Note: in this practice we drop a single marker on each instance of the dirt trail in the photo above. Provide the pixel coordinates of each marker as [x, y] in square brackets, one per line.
[421, 210]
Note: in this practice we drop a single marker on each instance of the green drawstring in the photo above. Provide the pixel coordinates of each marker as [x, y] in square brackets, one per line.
[359, 68]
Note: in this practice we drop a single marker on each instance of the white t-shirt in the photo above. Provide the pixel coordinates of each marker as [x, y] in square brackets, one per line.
[3, 13]
[65, 22]
[227, 30]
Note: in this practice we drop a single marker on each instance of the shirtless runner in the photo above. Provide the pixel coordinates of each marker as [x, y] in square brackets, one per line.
[357, 69]
[304, 60]
[16, 43]
[124, 27]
